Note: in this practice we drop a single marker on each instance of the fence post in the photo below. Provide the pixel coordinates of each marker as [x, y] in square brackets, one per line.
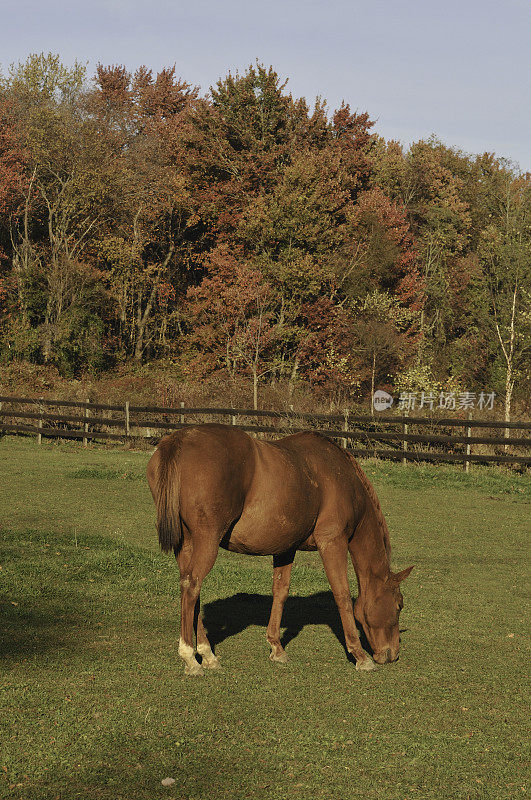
[405, 429]
[127, 419]
[39, 425]
[344, 441]
[181, 417]
[468, 434]
[85, 424]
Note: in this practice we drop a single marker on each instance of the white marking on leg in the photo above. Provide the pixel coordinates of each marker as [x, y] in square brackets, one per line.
[186, 651]
[191, 665]
[210, 661]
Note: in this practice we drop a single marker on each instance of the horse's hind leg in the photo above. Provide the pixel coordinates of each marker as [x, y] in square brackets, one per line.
[209, 660]
[193, 571]
[282, 565]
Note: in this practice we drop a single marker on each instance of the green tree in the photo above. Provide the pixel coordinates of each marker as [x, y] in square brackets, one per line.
[63, 195]
[505, 256]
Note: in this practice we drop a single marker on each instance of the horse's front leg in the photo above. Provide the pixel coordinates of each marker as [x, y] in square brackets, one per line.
[282, 565]
[333, 551]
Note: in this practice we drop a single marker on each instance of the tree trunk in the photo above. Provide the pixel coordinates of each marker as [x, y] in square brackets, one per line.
[291, 384]
[373, 375]
[508, 396]
[47, 342]
[141, 323]
[255, 389]
[17, 269]
[143, 318]
[23, 253]
[48, 332]
[509, 385]
[508, 352]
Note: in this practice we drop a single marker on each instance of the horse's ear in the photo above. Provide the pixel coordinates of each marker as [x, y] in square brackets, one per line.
[401, 576]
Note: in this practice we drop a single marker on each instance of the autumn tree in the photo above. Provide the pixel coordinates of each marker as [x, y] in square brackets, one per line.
[386, 336]
[251, 232]
[233, 322]
[505, 256]
[148, 246]
[13, 179]
[62, 201]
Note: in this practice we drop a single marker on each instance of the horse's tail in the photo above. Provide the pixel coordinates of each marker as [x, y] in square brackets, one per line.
[167, 496]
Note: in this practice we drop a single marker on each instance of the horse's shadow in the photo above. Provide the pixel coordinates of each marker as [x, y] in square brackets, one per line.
[231, 615]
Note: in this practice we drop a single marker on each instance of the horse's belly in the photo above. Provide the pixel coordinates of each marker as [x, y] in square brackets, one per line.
[262, 535]
[281, 505]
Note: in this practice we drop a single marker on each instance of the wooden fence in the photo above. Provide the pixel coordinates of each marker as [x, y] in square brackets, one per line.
[405, 438]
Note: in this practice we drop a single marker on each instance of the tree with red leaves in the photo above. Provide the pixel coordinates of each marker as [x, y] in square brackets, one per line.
[14, 160]
[233, 326]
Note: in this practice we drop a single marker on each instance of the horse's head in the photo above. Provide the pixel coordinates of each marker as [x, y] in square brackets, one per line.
[378, 611]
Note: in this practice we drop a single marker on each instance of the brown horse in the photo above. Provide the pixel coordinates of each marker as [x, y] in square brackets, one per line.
[214, 486]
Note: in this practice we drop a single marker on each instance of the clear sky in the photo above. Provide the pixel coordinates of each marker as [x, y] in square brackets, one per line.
[456, 68]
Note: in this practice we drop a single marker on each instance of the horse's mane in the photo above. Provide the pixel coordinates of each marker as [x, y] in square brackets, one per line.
[369, 488]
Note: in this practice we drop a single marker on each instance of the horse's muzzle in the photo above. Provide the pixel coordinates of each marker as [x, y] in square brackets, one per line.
[385, 656]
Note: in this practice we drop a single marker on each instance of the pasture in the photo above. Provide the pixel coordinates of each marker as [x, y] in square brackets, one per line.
[94, 703]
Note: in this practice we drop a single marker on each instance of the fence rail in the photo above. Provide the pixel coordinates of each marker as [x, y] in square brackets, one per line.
[361, 434]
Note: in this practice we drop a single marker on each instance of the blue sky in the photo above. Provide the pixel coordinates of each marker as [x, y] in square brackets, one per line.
[460, 70]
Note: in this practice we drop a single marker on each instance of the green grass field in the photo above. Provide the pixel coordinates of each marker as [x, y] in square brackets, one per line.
[94, 703]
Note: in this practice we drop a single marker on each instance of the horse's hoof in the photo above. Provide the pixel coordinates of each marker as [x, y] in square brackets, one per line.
[366, 666]
[193, 669]
[280, 658]
[212, 662]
